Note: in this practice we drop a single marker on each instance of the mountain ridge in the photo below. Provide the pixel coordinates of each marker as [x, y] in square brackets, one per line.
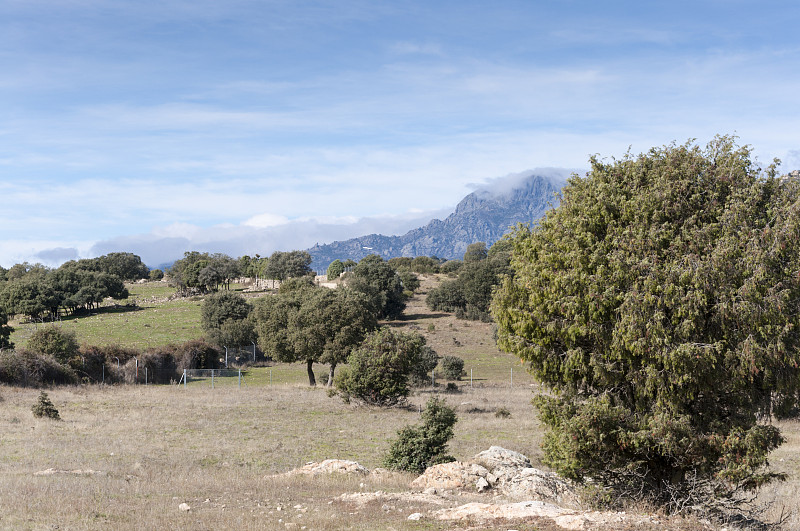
[482, 216]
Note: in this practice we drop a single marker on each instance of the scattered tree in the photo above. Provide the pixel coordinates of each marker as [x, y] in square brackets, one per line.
[660, 303]
[225, 318]
[381, 284]
[311, 324]
[291, 264]
[335, 269]
[470, 294]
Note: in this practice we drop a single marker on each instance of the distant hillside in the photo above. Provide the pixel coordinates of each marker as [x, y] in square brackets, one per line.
[482, 216]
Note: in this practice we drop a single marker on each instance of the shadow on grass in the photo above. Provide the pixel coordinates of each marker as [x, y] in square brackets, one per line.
[114, 309]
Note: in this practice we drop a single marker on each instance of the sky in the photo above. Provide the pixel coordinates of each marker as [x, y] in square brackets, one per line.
[244, 127]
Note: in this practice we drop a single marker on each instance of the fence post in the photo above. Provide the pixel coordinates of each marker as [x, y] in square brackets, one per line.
[240, 378]
[184, 378]
[433, 379]
[145, 375]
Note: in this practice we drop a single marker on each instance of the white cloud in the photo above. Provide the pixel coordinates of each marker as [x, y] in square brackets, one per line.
[261, 221]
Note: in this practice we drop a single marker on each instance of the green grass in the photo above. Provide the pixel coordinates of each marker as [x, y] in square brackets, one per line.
[147, 318]
[153, 321]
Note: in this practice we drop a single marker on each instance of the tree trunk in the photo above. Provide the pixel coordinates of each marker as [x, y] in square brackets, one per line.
[312, 381]
[331, 374]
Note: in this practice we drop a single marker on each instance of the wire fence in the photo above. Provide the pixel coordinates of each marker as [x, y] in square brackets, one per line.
[291, 374]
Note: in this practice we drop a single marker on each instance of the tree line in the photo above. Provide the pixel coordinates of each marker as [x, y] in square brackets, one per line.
[40, 292]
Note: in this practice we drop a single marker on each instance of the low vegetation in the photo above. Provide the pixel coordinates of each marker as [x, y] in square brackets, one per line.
[378, 371]
[45, 408]
[420, 446]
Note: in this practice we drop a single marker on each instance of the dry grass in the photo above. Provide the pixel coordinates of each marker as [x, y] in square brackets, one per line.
[158, 446]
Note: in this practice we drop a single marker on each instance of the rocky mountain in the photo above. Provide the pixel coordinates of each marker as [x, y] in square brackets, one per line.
[482, 216]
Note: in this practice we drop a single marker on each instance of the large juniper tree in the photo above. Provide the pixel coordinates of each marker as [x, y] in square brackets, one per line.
[659, 302]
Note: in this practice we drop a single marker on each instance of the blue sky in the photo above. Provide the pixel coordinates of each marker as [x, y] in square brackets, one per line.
[252, 126]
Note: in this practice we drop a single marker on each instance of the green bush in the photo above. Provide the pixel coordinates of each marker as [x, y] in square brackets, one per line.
[45, 408]
[452, 366]
[54, 341]
[451, 267]
[418, 447]
[378, 371]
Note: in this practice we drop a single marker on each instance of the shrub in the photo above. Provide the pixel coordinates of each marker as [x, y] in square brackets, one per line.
[425, 363]
[196, 354]
[409, 280]
[379, 369]
[418, 447]
[104, 362]
[452, 366]
[502, 413]
[27, 368]
[54, 341]
[451, 267]
[156, 274]
[45, 408]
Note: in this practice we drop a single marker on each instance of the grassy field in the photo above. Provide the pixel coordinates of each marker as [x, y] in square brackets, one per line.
[152, 448]
[150, 317]
[126, 457]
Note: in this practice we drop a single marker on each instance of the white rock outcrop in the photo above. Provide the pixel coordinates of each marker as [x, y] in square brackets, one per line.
[503, 471]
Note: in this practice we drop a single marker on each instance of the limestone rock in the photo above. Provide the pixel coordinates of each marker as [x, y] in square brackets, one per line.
[488, 511]
[451, 476]
[184, 507]
[497, 456]
[329, 466]
[79, 472]
[534, 484]
[564, 518]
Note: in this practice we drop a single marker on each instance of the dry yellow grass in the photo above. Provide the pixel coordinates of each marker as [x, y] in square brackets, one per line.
[152, 448]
